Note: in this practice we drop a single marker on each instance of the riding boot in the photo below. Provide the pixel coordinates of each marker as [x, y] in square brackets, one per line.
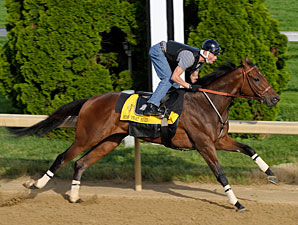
[152, 110]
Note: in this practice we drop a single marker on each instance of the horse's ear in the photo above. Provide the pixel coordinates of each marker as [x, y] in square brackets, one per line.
[243, 63]
[246, 61]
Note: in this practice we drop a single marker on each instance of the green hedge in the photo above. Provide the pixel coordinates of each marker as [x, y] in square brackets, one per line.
[244, 27]
[54, 54]
[63, 50]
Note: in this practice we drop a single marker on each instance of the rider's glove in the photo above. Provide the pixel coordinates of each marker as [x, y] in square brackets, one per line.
[194, 87]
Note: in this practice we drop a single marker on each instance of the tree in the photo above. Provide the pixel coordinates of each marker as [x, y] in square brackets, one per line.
[54, 54]
[244, 27]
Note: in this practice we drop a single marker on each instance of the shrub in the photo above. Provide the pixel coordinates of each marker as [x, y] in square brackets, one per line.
[244, 27]
[53, 54]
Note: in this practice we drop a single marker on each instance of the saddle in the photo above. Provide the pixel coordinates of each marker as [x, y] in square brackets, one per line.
[131, 107]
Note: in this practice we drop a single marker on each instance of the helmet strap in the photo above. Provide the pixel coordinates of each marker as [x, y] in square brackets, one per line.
[205, 57]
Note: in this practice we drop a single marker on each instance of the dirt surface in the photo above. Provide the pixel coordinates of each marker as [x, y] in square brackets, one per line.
[166, 203]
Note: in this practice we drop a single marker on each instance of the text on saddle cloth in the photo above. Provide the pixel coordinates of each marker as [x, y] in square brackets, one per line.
[128, 113]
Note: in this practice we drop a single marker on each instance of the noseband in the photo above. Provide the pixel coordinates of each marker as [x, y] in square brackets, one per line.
[246, 75]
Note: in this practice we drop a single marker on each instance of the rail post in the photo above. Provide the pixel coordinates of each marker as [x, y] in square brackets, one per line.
[138, 173]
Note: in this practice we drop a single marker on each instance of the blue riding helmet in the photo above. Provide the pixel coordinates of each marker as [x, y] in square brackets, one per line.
[212, 46]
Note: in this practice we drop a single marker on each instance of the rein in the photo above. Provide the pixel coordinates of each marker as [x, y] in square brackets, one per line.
[228, 94]
[245, 75]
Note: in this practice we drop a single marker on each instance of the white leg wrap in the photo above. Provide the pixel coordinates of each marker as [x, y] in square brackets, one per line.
[260, 162]
[74, 193]
[232, 198]
[40, 183]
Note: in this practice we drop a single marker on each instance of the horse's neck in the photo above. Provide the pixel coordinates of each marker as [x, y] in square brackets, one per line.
[230, 83]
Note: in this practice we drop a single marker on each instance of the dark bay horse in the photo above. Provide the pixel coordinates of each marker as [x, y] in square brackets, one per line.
[200, 126]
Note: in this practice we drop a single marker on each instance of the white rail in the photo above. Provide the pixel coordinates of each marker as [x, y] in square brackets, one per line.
[263, 127]
[21, 120]
[236, 126]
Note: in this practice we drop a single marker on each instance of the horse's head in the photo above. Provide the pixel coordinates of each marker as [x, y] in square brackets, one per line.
[255, 84]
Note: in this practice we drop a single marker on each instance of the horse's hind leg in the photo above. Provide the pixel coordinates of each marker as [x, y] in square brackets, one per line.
[89, 158]
[60, 161]
[229, 144]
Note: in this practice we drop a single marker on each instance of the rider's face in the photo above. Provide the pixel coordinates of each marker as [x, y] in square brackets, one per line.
[211, 58]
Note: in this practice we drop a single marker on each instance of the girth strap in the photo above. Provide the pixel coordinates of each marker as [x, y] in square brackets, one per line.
[165, 136]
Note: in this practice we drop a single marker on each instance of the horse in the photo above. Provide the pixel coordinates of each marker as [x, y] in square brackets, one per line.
[203, 126]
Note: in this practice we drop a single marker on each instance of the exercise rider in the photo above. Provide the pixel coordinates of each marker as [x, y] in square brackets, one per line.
[185, 57]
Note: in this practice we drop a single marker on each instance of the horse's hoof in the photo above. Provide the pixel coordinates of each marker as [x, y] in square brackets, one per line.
[75, 201]
[30, 184]
[240, 208]
[33, 187]
[272, 179]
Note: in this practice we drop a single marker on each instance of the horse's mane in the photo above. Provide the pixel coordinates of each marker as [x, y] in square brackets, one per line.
[219, 72]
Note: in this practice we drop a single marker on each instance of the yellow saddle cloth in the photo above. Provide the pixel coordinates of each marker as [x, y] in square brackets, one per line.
[128, 113]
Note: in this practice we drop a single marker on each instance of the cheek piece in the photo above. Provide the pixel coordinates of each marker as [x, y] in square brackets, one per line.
[205, 57]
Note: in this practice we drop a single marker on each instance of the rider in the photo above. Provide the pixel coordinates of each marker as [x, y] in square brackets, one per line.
[184, 57]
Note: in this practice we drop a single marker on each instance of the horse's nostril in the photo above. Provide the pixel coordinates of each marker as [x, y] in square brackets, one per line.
[275, 99]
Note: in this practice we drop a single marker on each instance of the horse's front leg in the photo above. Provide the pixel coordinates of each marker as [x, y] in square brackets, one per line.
[207, 149]
[229, 144]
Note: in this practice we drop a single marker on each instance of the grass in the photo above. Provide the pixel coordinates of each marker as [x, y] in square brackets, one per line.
[285, 11]
[293, 66]
[33, 156]
[288, 103]
[3, 13]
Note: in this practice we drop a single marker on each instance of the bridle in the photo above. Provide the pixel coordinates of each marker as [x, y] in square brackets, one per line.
[246, 75]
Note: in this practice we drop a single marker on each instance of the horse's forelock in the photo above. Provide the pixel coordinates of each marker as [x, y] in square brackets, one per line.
[250, 63]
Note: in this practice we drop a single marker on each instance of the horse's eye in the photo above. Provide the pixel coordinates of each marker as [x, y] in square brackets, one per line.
[256, 79]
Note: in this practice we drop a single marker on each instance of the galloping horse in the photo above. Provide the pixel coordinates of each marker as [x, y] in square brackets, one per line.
[203, 125]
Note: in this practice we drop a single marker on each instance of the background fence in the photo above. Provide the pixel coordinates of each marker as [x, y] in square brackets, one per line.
[236, 126]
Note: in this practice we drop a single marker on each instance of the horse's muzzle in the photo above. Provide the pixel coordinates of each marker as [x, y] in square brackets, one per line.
[275, 100]
[272, 101]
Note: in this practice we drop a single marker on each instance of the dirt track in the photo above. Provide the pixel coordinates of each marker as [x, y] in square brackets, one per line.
[166, 203]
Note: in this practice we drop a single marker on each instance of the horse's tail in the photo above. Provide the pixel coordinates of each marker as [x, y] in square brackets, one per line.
[66, 112]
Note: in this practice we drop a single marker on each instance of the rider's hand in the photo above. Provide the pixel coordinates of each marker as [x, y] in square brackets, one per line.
[194, 87]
